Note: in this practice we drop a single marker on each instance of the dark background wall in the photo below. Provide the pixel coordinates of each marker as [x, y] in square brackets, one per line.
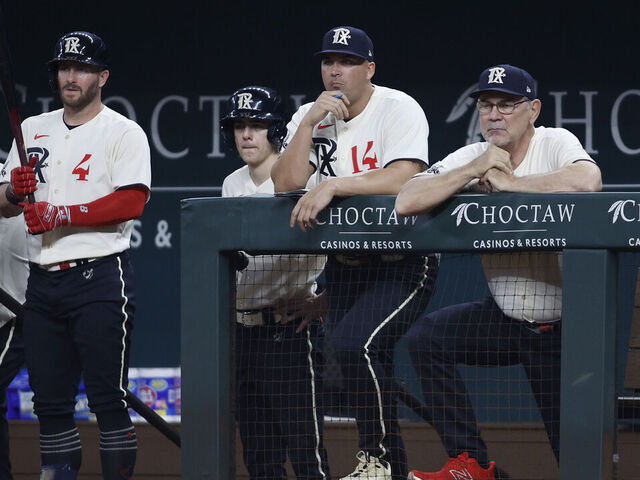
[176, 62]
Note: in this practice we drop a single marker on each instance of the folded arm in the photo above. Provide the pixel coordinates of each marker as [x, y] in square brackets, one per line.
[423, 193]
[580, 176]
[386, 181]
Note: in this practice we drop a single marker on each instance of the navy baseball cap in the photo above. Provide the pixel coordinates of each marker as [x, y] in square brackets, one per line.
[349, 40]
[508, 79]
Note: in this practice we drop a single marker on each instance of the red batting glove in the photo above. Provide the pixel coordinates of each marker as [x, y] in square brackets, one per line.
[23, 182]
[42, 216]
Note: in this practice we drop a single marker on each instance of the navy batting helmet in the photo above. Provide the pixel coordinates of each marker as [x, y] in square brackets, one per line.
[83, 47]
[259, 103]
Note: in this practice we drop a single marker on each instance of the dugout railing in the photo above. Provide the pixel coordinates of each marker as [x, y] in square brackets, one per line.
[590, 228]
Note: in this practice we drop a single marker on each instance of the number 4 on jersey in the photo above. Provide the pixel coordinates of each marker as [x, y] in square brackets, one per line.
[82, 172]
[372, 162]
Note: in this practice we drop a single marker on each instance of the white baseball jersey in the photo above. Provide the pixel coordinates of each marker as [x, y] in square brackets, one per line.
[269, 278]
[77, 166]
[391, 127]
[14, 267]
[525, 285]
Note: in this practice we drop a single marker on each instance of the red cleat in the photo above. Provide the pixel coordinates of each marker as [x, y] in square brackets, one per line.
[461, 468]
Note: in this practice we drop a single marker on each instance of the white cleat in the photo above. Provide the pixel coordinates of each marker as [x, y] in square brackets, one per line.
[370, 468]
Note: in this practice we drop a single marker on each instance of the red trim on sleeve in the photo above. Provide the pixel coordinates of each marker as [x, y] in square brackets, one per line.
[117, 207]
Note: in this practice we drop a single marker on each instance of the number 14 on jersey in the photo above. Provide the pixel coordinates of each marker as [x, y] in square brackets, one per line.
[366, 160]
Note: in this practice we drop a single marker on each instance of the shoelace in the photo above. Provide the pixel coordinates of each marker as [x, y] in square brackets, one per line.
[364, 465]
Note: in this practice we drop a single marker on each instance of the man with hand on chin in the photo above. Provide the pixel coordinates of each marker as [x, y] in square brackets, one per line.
[361, 139]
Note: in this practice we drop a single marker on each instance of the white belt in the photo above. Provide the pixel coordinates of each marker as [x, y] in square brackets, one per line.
[266, 316]
[251, 318]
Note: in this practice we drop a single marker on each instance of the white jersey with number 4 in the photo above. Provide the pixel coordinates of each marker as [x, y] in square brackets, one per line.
[77, 166]
[391, 127]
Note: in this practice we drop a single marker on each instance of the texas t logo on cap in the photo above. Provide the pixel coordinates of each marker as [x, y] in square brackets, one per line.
[347, 40]
[496, 75]
[341, 35]
[507, 79]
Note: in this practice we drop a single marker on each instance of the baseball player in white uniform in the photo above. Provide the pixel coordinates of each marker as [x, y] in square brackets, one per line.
[14, 270]
[90, 173]
[520, 321]
[359, 139]
[278, 313]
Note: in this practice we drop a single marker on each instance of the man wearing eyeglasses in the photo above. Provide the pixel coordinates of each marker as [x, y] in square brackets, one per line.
[519, 321]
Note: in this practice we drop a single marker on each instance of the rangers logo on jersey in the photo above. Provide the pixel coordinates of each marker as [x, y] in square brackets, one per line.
[496, 75]
[341, 36]
[325, 150]
[244, 101]
[71, 45]
[41, 154]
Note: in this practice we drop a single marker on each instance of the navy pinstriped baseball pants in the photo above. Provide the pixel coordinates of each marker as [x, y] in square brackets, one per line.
[278, 375]
[371, 307]
[478, 333]
[79, 321]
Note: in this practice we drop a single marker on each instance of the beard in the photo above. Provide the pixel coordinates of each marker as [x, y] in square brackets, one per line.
[85, 98]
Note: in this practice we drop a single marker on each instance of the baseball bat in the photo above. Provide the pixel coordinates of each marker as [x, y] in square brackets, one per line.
[9, 89]
[412, 402]
[11, 303]
[134, 402]
[153, 418]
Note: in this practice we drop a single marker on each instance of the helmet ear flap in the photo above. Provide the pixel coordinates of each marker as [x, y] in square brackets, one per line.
[272, 136]
[276, 133]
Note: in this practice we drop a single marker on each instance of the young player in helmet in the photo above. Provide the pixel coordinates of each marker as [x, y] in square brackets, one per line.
[278, 310]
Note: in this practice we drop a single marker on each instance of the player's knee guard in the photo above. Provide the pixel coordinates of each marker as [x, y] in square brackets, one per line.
[58, 472]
